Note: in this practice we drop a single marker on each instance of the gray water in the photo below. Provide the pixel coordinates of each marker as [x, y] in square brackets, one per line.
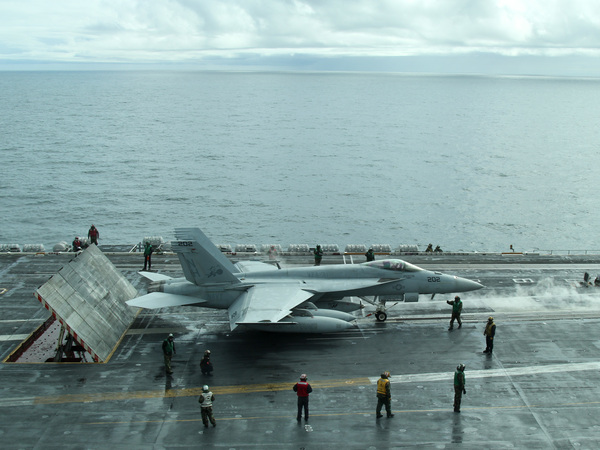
[466, 162]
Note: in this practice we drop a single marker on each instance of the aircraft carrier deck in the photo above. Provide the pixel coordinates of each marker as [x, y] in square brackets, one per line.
[539, 389]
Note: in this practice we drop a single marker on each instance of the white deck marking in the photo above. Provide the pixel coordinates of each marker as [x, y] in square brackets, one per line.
[510, 372]
[13, 337]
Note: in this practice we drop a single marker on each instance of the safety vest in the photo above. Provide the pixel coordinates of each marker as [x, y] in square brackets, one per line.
[459, 379]
[206, 399]
[168, 347]
[382, 384]
[303, 388]
[490, 329]
[457, 307]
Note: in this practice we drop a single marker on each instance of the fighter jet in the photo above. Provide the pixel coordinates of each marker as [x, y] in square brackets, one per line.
[262, 296]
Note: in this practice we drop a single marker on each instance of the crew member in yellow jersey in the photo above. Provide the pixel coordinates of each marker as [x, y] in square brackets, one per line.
[489, 333]
[384, 396]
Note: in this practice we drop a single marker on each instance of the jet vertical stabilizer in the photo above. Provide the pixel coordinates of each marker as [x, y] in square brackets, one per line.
[201, 260]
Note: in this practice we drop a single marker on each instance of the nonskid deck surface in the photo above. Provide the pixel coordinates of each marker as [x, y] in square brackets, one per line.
[539, 389]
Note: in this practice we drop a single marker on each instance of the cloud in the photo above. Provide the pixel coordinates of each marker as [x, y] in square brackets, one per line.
[194, 30]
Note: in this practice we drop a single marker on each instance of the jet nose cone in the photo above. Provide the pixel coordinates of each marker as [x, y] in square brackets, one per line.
[463, 285]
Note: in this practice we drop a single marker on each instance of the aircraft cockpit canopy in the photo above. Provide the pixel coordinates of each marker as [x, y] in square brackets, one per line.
[394, 264]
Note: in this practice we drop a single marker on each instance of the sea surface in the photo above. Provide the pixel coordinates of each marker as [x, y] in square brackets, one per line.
[471, 163]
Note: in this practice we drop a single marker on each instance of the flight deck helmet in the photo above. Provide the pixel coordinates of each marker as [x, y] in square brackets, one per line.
[303, 377]
[460, 367]
[490, 319]
[205, 388]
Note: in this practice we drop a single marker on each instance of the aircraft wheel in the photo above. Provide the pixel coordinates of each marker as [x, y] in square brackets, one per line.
[381, 316]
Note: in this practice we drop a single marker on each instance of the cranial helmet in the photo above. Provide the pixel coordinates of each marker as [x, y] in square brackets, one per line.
[205, 388]
[303, 377]
[490, 319]
[461, 367]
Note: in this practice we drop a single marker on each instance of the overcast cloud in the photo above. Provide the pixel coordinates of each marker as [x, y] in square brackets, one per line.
[302, 33]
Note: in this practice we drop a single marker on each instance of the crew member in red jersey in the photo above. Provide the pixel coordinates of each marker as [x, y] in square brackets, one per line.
[302, 389]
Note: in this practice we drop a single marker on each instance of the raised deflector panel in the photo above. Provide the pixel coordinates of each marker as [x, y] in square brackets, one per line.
[87, 296]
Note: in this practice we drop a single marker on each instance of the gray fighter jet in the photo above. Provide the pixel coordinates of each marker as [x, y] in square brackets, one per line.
[299, 300]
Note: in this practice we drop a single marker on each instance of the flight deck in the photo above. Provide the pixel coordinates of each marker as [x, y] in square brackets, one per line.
[539, 389]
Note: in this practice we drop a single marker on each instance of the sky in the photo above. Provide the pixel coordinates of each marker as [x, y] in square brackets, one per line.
[521, 37]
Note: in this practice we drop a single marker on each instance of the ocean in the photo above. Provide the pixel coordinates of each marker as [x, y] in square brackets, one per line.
[470, 163]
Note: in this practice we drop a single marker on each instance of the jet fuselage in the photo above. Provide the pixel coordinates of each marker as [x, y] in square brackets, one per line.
[335, 281]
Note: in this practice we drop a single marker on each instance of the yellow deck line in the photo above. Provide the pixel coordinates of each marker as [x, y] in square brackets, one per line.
[172, 393]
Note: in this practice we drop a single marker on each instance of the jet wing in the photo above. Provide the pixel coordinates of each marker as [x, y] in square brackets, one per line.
[157, 300]
[153, 276]
[266, 303]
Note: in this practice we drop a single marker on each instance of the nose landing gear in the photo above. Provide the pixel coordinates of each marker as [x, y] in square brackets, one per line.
[380, 316]
[380, 307]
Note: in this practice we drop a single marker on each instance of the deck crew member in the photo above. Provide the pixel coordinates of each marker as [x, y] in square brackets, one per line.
[489, 333]
[370, 255]
[206, 366]
[318, 255]
[456, 310]
[302, 389]
[148, 250]
[76, 244]
[205, 400]
[384, 395]
[459, 386]
[168, 348]
[272, 253]
[93, 235]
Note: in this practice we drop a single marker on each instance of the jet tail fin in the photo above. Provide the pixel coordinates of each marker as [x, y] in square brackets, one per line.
[201, 260]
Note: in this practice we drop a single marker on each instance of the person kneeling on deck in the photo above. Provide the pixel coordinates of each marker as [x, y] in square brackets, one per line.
[77, 245]
[206, 366]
